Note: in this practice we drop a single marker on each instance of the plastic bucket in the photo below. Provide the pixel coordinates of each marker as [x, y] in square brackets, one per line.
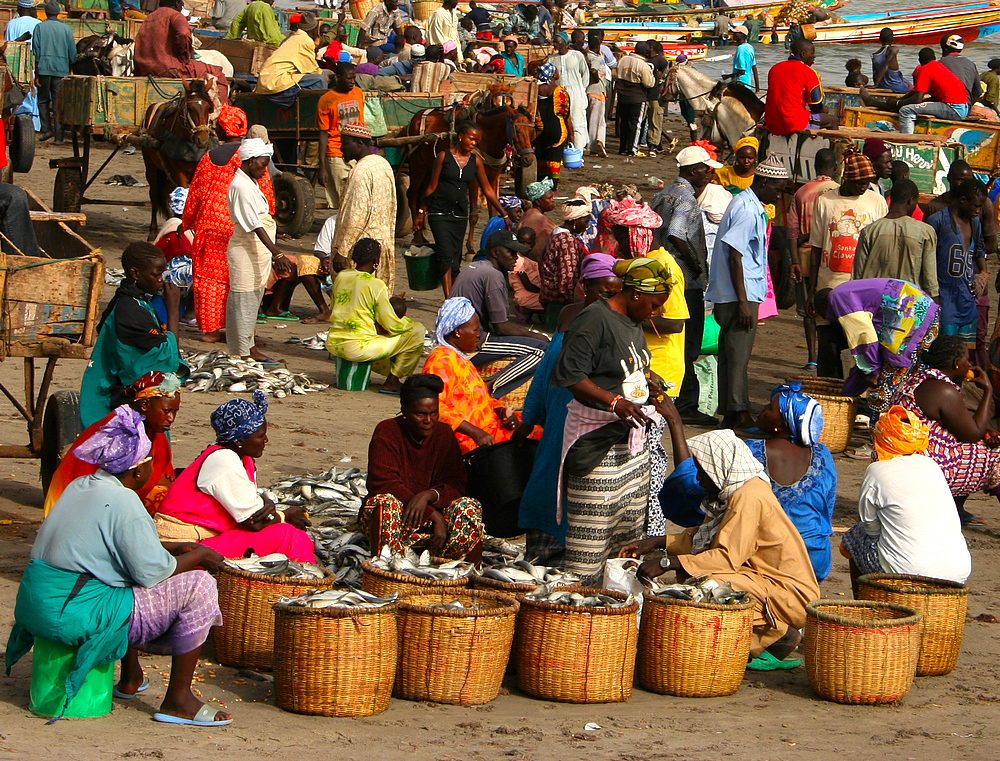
[51, 664]
[421, 269]
[353, 376]
[497, 477]
[572, 157]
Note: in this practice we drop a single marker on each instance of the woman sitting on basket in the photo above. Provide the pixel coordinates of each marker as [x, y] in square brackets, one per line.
[747, 540]
[157, 397]
[214, 500]
[477, 419]
[416, 481]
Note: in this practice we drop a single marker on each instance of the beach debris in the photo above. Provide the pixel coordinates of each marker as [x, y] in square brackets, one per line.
[524, 572]
[337, 598]
[548, 593]
[986, 618]
[277, 565]
[421, 567]
[316, 342]
[702, 589]
[125, 179]
[217, 371]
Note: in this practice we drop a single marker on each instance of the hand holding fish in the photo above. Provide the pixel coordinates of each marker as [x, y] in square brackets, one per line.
[650, 569]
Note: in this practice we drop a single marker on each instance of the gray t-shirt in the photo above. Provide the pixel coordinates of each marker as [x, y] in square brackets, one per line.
[965, 70]
[486, 287]
[97, 526]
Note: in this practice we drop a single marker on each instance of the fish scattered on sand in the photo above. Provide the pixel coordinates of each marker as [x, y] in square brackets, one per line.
[316, 342]
[421, 566]
[523, 572]
[546, 593]
[338, 598]
[702, 589]
[216, 371]
[277, 565]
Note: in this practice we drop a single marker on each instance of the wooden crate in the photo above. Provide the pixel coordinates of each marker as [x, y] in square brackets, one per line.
[460, 84]
[83, 27]
[20, 62]
[97, 102]
[246, 56]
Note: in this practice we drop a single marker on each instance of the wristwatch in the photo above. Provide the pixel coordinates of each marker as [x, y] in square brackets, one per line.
[665, 562]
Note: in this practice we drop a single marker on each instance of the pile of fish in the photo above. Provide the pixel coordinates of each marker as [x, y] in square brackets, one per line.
[421, 567]
[500, 552]
[547, 593]
[454, 605]
[333, 498]
[278, 566]
[702, 589]
[316, 342]
[114, 276]
[337, 598]
[216, 371]
[341, 553]
[523, 572]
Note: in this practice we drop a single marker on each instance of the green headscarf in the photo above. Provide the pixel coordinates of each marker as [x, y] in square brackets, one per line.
[643, 275]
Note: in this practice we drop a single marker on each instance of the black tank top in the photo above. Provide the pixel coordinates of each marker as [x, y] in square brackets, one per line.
[452, 193]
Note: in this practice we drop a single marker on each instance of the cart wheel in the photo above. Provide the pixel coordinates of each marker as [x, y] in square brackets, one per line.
[68, 190]
[60, 428]
[294, 204]
[22, 144]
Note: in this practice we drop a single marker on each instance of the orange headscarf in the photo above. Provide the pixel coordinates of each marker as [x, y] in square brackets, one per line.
[899, 432]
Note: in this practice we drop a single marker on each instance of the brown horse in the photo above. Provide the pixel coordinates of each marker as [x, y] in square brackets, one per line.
[502, 125]
[181, 130]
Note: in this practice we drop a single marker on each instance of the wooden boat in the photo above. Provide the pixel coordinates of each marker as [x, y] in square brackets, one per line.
[651, 13]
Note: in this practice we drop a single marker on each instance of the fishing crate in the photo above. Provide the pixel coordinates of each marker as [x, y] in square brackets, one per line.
[942, 606]
[334, 661]
[382, 583]
[577, 655]
[453, 656]
[98, 102]
[246, 56]
[246, 637]
[693, 649]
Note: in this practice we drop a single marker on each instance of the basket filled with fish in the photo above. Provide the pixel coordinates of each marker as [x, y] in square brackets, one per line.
[694, 639]
[248, 589]
[335, 652]
[453, 644]
[390, 573]
[577, 645]
[521, 577]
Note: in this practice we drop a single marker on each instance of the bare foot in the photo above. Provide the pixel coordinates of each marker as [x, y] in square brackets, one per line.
[260, 343]
[259, 356]
[216, 336]
[323, 316]
[187, 706]
[392, 383]
[786, 645]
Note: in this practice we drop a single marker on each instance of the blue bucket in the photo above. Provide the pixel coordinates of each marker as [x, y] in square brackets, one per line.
[572, 157]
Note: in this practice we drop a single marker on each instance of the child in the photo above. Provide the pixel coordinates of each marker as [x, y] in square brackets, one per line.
[525, 280]
[854, 76]
[310, 270]
[597, 125]
[901, 171]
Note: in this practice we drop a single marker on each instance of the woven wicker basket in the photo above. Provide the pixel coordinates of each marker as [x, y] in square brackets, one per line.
[422, 9]
[246, 637]
[577, 655]
[693, 649]
[515, 399]
[360, 8]
[814, 385]
[453, 656]
[941, 605]
[334, 661]
[858, 651]
[838, 420]
[383, 583]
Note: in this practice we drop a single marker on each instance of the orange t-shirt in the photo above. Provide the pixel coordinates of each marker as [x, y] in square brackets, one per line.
[337, 108]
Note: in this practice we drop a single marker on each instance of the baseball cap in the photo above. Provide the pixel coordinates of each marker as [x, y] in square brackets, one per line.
[741, 29]
[954, 42]
[506, 239]
[695, 154]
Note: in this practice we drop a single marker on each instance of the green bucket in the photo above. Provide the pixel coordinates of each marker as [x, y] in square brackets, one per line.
[51, 664]
[353, 376]
[421, 270]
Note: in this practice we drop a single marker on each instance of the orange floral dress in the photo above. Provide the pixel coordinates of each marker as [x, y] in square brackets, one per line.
[465, 396]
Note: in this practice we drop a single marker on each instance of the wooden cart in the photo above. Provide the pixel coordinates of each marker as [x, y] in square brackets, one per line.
[22, 141]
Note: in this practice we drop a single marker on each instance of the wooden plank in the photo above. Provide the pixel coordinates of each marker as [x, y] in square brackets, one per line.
[86, 101]
[58, 216]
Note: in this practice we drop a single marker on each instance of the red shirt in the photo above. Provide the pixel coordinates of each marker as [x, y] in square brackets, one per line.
[936, 80]
[3, 144]
[792, 87]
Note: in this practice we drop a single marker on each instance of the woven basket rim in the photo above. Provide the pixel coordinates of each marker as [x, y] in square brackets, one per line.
[507, 605]
[648, 596]
[405, 578]
[327, 580]
[334, 611]
[814, 379]
[515, 586]
[839, 399]
[934, 586]
[911, 617]
[556, 607]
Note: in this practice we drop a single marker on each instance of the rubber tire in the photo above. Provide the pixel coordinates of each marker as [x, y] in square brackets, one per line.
[781, 276]
[294, 204]
[23, 140]
[60, 428]
[67, 193]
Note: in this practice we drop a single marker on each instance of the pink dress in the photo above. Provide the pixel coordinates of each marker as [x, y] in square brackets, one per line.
[522, 296]
[769, 306]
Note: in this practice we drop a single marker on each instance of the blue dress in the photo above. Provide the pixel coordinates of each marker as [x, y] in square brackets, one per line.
[681, 495]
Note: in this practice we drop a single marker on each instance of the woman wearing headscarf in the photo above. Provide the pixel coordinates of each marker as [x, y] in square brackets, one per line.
[542, 198]
[739, 176]
[553, 123]
[908, 524]
[559, 267]
[628, 228]
[157, 397]
[214, 500]
[574, 74]
[416, 481]
[465, 404]
[101, 581]
[800, 468]
[746, 540]
[604, 471]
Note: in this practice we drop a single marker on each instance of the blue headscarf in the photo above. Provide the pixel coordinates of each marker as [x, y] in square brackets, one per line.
[453, 313]
[803, 415]
[178, 197]
[238, 418]
[118, 445]
[545, 72]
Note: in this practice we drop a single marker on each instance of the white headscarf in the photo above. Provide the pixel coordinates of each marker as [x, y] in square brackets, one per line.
[253, 147]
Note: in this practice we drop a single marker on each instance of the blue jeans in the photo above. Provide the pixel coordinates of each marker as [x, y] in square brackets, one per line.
[908, 114]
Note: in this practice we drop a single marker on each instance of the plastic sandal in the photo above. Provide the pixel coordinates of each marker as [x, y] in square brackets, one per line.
[126, 696]
[204, 718]
[767, 662]
[974, 520]
[283, 316]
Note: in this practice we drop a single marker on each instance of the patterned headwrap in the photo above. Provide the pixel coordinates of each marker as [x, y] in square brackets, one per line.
[899, 432]
[743, 142]
[510, 202]
[730, 464]
[545, 72]
[596, 266]
[178, 197]
[233, 121]
[454, 312]
[771, 168]
[563, 36]
[643, 275]
[448, 46]
[153, 384]
[362, 131]
[803, 415]
[639, 218]
[536, 190]
[857, 167]
[238, 418]
[575, 208]
[118, 445]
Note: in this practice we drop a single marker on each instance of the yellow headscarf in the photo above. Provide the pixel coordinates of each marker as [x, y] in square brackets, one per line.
[899, 432]
[743, 142]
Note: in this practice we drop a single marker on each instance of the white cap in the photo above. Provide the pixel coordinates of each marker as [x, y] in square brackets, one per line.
[955, 42]
[695, 154]
[417, 50]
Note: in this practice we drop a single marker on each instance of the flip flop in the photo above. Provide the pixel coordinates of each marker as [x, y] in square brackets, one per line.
[126, 696]
[268, 362]
[262, 319]
[283, 316]
[388, 391]
[864, 452]
[974, 520]
[204, 718]
[767, 662]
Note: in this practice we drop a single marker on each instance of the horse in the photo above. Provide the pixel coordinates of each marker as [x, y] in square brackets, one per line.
[178, 133]
[93, 53]
[728, 111]
[502, 125]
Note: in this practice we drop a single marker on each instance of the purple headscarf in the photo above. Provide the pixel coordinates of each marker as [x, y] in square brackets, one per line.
[119, 444]
[596, 266]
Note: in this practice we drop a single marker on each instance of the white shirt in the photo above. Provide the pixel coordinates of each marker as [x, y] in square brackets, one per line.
[907, 506]
[246, 202]
[324, 241]
[223, 477]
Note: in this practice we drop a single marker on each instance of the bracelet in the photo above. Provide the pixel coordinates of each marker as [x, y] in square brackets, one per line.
[618, 398]
[278, 256]
[438, 498]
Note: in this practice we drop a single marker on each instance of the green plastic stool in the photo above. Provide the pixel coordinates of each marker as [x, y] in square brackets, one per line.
[51, 664]
[353, 376]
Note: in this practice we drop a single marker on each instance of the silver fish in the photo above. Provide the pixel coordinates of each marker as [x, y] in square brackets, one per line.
[277, 565]
[226, 373]
[339, 598]
[575, 599]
